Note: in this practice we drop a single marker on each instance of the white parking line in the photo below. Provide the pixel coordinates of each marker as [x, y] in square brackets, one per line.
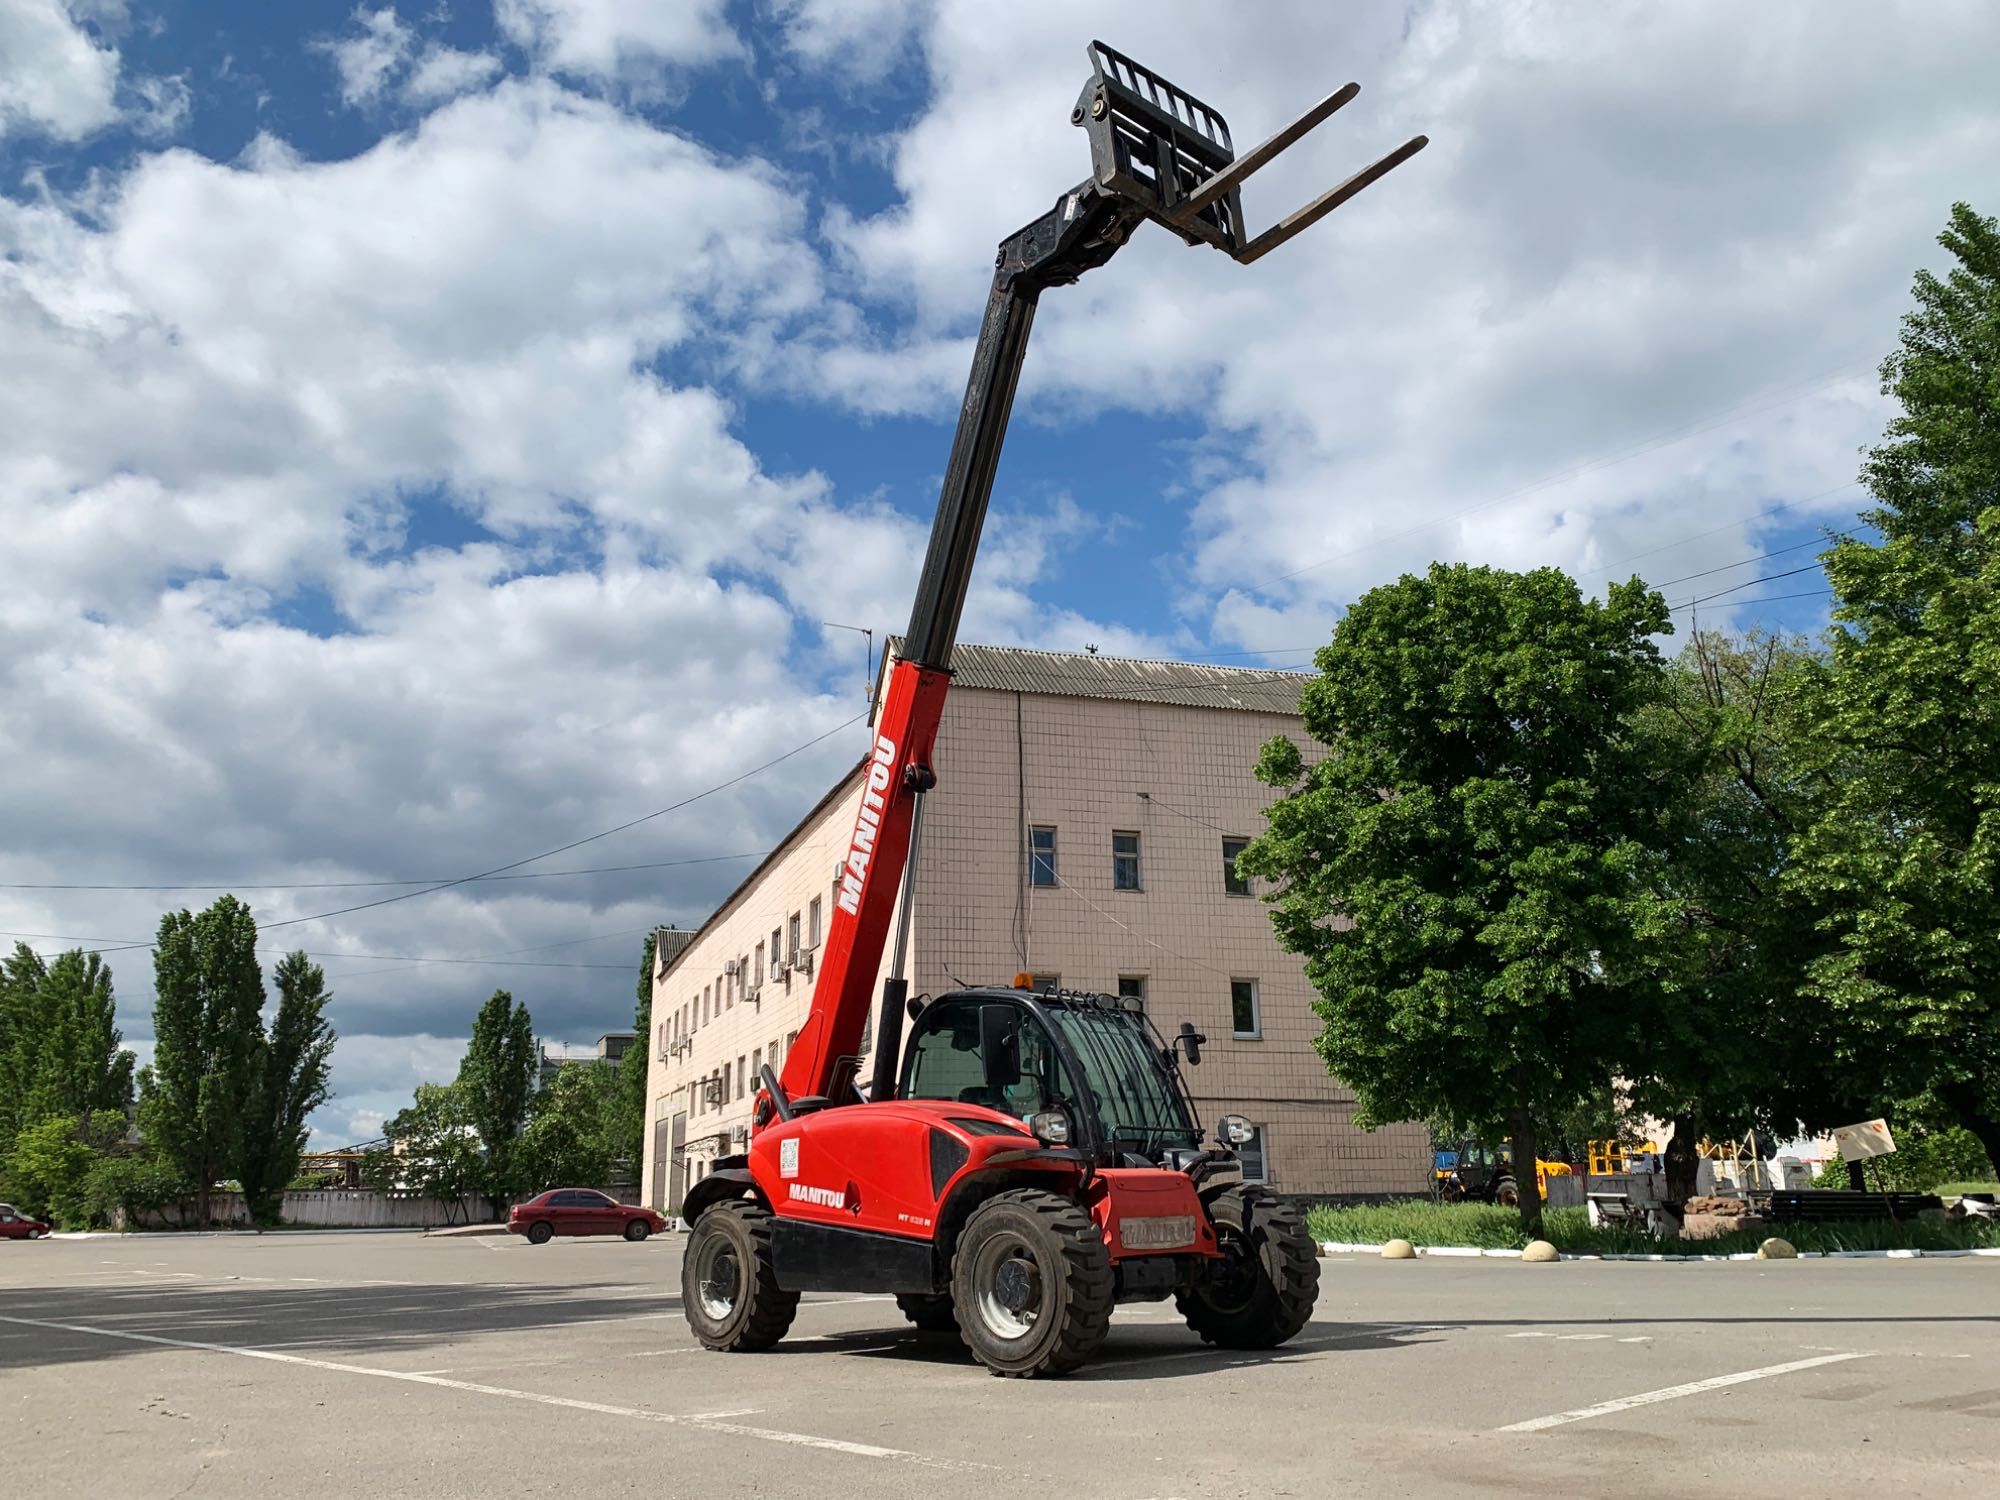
[706, 1422]
[1674, 1392]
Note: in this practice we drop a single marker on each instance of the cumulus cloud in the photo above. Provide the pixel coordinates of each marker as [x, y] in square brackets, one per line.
[610, 39]
[1630, 221]
[382, 56]
[55, 79]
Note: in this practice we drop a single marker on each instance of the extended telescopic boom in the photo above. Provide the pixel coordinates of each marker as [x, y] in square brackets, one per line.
[1156, 153]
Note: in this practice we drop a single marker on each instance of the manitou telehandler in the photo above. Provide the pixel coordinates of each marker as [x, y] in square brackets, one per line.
[1030, 1159]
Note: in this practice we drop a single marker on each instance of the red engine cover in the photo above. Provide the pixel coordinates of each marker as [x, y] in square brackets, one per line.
[873, 1166]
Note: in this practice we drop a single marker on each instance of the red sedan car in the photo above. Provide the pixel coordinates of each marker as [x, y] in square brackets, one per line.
[580, 1211]
[15, 1225]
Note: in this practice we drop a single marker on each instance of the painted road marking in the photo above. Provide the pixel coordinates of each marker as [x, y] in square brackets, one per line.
[704, 1422]
[1674, 1392]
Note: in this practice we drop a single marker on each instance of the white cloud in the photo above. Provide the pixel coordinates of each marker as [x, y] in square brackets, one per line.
[860, 38]
[1627, 222]
[613, 39]
[54, 79]
[367, 59]
[445, 72]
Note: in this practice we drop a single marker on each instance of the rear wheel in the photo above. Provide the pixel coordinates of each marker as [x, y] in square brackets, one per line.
[728, 1287]
[1506, 1193]
[1031, 1284]
[637, 1230]
[541, 1232]
[1262, 1290]
[931, 1314]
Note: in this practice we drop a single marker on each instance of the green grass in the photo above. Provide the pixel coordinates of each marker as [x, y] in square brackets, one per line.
[1423, 1222]
[1953, 1189]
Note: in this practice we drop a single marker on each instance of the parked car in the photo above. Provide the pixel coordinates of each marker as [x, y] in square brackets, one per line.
[580, 1211]
[15, 1225]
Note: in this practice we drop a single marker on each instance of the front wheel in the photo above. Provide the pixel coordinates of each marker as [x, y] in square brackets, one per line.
[1262, 1290]
[637, 1230]
[1031, 1284]
[729, 1289]
[541, 1233]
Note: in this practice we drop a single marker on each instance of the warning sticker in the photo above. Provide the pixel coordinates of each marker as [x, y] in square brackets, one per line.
[788, 1157]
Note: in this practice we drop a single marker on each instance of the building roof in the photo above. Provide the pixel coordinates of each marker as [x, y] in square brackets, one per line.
[1077, 674]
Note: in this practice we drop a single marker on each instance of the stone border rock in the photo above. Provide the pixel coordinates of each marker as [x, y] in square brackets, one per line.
[1335, 1247]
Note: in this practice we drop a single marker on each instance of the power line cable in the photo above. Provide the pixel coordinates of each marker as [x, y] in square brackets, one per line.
[104, 945]
[561, 848]
[338, 885]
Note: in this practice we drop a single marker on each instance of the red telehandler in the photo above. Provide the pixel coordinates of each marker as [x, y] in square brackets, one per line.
[1028, 1160]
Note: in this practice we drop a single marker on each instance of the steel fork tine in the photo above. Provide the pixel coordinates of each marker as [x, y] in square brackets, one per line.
[1259, 155]
[1304, 218]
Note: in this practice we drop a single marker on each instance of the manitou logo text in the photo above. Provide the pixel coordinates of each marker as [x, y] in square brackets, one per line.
[862, 848]
[821, 1197]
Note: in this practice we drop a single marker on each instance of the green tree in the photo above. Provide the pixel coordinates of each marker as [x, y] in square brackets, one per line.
[59, 1042]
[208, 1042]
[23, 1029]
[433, 1146]
[569, 1138]
[628, 1114]
[1733, 1045]
[295, 1058]
[1469, 871]
[497, 1079]
[48, 1170]
[1903, 861]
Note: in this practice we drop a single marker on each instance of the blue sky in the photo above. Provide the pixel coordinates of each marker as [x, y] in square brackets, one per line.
[439, 431]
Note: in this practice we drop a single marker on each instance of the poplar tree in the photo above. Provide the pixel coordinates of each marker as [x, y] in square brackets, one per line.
[296, 1055]
[497, 1083]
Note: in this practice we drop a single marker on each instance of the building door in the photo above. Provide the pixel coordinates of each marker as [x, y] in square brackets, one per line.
[669, 1165]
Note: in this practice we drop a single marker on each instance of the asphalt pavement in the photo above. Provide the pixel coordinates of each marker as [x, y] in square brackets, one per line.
[393, 1365]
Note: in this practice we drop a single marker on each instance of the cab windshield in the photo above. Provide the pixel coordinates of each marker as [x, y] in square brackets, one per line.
[1137, 1104]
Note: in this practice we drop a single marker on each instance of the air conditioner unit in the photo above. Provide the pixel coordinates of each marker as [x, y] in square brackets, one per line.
[805, 960]
[729, 967]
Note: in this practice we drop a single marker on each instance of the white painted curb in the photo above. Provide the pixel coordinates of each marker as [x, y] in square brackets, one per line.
[213, 1234]
[1336, 1247]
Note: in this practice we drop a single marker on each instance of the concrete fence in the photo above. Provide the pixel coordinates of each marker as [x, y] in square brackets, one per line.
[337, 1209]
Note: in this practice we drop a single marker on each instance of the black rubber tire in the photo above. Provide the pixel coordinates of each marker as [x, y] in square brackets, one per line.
[1506, 1193]
[931, 1314]
[1068, 1275]
[637, 1230]
[542, 1233]
[1264, 1293]
[758, 1312]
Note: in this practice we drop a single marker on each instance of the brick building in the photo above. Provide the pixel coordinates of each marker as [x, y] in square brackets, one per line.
[1083, 828]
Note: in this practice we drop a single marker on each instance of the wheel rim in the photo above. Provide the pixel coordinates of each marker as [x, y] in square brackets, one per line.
[1009, 1286]
[718, 1279]
[1232, 1281]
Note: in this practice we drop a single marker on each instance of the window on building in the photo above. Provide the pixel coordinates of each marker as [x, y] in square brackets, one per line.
[1246, 1021]
[792, 938]
[775, 1055]
[1125, 862]
[757, 1064]
[742, 1076]
[743, 976]
[760, 962]
[812, 923]
[1045, 982]
[663, 1038]
[1132, 987]
[777, 950]
[1233, 883]
[1041, 856]
[790, 1037]
[725, 1082]
[725, 993]
[1256, 1166]
[704, 1005]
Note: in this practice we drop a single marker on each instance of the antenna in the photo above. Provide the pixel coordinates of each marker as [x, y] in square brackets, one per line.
[868, 658]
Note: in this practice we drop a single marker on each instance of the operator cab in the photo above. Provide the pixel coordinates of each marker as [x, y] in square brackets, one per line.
[1083, 1070]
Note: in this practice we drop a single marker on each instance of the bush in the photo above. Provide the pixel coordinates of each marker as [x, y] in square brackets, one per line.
[48, 1166]
[1923, 1161]
[1472, 1225]
[136, 1186]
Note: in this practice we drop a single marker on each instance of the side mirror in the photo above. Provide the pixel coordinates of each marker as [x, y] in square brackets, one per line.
[1191, 1041]
[1000, 1045]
